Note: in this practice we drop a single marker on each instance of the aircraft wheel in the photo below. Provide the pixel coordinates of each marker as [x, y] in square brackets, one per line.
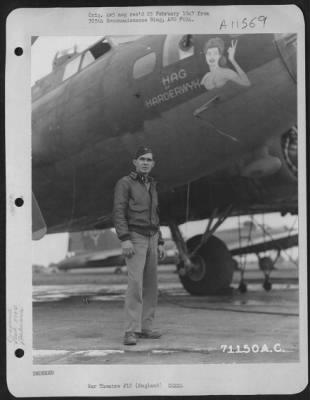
[267, 285]
[212, 270]
[242, 287]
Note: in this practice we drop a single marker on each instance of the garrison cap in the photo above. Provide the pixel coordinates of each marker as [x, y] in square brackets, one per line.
[141, 151]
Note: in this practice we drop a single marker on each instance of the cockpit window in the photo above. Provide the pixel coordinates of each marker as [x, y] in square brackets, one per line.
[71, 68]
[176, 48]
[100, 48]
[94, 52]
[144, 65]
[87, 59]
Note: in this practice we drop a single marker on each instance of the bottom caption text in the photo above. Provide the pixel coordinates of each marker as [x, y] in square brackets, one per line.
[136, 385]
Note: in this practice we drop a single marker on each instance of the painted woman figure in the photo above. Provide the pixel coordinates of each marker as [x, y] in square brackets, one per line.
[218, 74]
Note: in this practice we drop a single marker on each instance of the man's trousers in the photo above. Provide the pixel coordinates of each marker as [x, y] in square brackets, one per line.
[141, 296]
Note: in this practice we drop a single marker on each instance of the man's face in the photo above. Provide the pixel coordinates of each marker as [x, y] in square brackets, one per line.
[144, 164]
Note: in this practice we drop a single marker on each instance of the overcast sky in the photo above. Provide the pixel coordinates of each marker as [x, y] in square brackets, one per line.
[45, 48]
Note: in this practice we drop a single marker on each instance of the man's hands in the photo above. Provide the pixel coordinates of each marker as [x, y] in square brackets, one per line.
[127, 248]
[161, 252]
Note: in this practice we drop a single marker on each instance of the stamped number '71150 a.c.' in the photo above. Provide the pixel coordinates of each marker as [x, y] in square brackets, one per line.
[253, 348]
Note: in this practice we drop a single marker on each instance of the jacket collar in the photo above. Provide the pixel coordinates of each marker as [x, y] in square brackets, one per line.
[134, 175]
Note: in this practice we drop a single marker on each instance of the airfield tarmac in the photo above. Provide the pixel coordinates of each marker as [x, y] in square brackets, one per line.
[77, 319]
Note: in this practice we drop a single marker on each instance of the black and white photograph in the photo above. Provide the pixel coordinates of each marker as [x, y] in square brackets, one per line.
[159, 203]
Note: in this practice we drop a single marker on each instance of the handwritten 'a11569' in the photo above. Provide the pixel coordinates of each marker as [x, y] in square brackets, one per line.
[244, 23]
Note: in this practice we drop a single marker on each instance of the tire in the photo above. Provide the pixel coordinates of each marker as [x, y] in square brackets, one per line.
[214, 268]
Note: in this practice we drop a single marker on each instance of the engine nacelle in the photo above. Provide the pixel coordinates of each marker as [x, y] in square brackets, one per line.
[286, 149]
[279, 156]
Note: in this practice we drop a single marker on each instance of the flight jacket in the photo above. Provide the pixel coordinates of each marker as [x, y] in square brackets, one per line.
[135, 207]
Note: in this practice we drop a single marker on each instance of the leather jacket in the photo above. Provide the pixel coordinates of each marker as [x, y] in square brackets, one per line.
[135, 207]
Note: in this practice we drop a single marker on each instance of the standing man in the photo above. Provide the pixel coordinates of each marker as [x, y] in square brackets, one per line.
[136, 222]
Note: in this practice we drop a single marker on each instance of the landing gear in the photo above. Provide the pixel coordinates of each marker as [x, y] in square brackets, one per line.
[267, 285]
[206, 266]
[266, 264]
[242, 287]
[212, 267]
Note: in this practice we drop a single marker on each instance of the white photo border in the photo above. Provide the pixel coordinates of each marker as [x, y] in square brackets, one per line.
[73, 380]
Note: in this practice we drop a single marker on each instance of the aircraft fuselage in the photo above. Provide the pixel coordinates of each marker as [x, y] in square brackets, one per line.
[87, 128]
